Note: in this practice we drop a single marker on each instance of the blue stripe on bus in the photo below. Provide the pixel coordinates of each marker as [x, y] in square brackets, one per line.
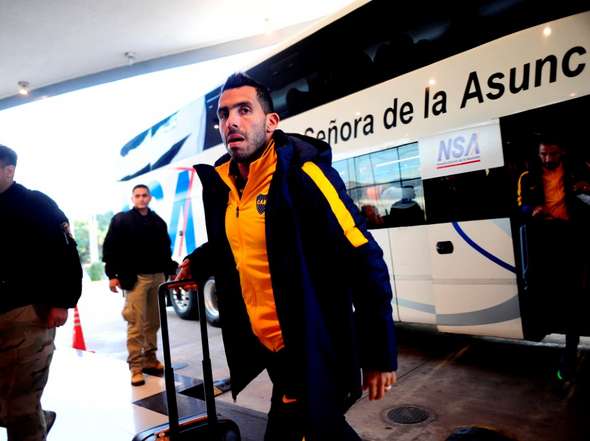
[416, 306]
[505, 311]
[480, 250]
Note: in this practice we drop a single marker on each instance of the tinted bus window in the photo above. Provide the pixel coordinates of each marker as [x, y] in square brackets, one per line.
[482, 194]
[341, 59]
[386, 186]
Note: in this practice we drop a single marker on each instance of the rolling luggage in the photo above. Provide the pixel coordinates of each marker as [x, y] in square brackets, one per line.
[206, 426]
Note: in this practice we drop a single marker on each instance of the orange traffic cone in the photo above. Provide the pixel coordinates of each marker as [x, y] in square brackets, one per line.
[78, 342]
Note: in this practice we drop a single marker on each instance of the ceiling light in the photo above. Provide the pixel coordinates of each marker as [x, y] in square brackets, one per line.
[547, 31]
[23, 87]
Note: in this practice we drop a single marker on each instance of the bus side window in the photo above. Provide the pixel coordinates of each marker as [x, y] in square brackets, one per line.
[386, 186]
[481, 194]
[395, 57]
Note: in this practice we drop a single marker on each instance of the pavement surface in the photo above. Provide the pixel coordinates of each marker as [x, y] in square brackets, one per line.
[454, 381]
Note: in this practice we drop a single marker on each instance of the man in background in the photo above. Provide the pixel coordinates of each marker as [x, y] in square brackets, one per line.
[547, 197]
[35, 237]
[137, 258]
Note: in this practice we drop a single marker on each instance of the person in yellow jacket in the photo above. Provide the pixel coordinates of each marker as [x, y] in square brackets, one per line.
[302, 287]
[556, 220]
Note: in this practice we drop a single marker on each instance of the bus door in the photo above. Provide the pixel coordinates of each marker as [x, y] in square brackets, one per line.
[382, 238]
[468, 199]
[552, 255]
[412, 273]
[474, 278]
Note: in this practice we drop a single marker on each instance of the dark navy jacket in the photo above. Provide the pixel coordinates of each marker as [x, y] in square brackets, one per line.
[317, 277]
[36, 243]
[137, 244]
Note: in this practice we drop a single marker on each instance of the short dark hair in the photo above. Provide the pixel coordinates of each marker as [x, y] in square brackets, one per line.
[241, 79]
[549, 139]
[7, 156]
[140, 186]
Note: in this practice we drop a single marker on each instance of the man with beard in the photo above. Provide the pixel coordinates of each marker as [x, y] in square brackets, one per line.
[303, 290]
[547, 197]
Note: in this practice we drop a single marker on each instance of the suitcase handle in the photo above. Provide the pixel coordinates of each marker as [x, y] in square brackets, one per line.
[169, 372]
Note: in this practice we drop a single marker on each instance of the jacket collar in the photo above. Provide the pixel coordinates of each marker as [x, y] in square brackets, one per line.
[12, 191]
[137, 213]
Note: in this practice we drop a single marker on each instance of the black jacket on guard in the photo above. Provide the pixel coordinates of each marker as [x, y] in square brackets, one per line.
[39, 262]
[137, 244]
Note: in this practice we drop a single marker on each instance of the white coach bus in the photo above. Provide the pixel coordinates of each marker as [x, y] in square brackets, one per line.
[432, 111]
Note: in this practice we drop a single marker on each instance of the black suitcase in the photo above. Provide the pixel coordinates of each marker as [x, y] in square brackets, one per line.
[203, 427]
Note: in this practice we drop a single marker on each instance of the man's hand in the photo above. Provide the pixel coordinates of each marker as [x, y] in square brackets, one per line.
[184, 273]
[378, 383]
[114, 284]
[56, 317]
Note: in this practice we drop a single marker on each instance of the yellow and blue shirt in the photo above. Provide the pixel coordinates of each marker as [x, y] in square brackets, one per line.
[245, 229]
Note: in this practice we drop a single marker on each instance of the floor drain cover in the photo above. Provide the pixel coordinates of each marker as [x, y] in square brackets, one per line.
[407, 415]
[475, 433]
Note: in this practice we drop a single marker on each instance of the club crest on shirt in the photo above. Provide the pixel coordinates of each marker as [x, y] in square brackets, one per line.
[261, 203]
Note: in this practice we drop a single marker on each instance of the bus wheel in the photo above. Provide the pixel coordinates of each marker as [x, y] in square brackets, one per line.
[228, 430]
[184, 303]
[210, 296]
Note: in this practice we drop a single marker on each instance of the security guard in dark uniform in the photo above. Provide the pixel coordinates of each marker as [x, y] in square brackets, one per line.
[40, 278]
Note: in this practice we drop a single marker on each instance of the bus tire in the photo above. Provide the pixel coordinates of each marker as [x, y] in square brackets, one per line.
[185, 304]
[228, 430]
[230, 435]
[210, 297]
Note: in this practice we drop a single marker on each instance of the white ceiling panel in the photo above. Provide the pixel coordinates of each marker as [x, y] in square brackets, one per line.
[45, 42]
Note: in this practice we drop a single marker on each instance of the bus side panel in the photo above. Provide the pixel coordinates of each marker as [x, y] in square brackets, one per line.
[508, 329]
[382, 238]
[412, 273]
[186, 222]
[474, 278]
[177, 137]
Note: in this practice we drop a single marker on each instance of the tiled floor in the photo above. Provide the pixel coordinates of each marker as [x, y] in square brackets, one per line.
[93, 398]
[94, 401]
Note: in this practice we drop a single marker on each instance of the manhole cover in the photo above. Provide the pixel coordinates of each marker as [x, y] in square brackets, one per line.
[407, 415]
[475, 433]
